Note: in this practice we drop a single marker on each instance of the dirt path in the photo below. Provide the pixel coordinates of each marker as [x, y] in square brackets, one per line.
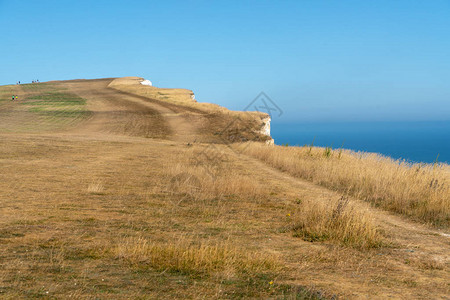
[125, 145]
[121, 113]
[403, 230]
[412, 241]
[418, 253]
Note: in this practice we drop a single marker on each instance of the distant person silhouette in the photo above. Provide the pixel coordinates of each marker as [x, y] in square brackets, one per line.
[13, 97]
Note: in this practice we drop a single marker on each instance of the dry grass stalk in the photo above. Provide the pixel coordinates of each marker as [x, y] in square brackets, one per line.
[96, 188]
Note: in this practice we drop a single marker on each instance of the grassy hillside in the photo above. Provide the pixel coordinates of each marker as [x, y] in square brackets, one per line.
[217, 124]
[40, 107]
[419, 191]
[104, 194]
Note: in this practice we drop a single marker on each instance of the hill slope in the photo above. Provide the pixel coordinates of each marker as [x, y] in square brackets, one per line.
[104, 193]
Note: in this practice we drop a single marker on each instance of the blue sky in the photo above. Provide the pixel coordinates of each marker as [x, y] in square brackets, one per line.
[318, 60]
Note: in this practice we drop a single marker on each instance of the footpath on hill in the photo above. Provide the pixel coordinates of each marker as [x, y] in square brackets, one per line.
[418, 240]
[66, 195]
[121, 113]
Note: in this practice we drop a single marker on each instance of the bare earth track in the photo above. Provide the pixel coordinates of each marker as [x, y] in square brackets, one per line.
[57, 230]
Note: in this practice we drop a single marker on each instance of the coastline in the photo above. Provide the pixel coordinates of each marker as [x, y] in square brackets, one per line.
[414, 142]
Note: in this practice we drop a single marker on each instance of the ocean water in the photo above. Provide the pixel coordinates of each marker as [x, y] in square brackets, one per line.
[411, 141]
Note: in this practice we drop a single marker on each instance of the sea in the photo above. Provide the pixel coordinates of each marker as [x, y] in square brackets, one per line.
[423, 142]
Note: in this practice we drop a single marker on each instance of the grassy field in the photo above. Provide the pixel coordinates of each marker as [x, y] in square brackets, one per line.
[40, 107]
[132, 232]
[419, 191]
[214, 123]
[120, 202]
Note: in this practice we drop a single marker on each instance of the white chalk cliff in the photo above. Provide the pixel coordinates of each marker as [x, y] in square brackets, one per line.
[266, 126]
[146, 82]
[265, 129]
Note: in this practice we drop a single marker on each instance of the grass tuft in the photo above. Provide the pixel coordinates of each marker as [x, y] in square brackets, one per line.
[339, 221]
[96, 188]
[182, 256]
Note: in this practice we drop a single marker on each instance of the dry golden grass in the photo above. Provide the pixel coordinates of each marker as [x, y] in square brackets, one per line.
[180, 97]
[338, 221]
[103, 212]
[209, 182]
[133, 84]
[95, 188]
[126, 240]
[420, 191]
[214, 122]
[222, 260]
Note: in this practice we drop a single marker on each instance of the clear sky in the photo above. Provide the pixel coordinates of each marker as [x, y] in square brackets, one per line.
[318, 60]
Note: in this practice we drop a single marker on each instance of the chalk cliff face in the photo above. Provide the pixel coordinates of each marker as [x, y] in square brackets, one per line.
[266, 126]
[265, 130]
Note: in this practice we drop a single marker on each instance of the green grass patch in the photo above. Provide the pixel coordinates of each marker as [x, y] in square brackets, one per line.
[6, 92]
[58, 98]
[56, 104]
[40, 107]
